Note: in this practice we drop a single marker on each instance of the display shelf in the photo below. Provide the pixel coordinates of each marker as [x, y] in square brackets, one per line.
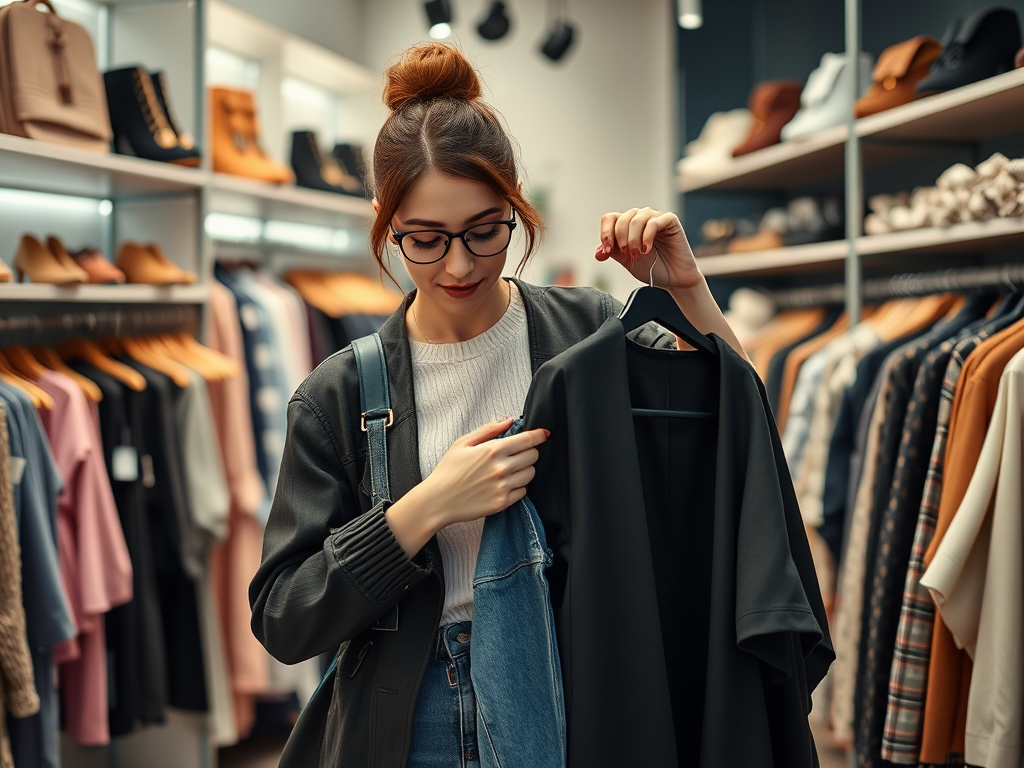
[975, 112]
[774, 260]
[105, 294]
[971, 236]
[247, 197]
[782, 166]
[41, 167]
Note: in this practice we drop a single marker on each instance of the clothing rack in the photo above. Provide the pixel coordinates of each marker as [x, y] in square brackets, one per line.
[1009, 277]
[28, 330]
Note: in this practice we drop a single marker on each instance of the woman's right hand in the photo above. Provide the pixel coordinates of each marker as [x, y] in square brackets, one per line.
[478, 476]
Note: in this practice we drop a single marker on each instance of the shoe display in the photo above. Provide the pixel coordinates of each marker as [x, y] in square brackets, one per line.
[185, 140]
[147, 265]
[56, 247]
[897, 72]
[139, 119]
[773, 104]
[97, 267]
[717, 233]
[350, 158]
[721, 134]
[826, 100]
[774, 225]
[235, 138]
[814, 219]
[980, 46]
[318, 170]
[6, 275]
[40, 265]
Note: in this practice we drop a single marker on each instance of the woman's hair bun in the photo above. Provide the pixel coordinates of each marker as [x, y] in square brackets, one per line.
[430, 71]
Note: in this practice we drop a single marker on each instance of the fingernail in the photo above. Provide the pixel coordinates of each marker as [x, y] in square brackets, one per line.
[547, 433]
[644, 248]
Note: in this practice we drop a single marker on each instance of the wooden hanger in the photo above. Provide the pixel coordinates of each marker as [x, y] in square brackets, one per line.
[39, 398]
[229, 364]
[25, 363]
[53, 361]
[91, 353]
[209, 369]
[137, 351]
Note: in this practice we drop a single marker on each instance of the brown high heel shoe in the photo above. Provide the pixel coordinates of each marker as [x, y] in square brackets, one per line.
[40, 265]
[56, 247]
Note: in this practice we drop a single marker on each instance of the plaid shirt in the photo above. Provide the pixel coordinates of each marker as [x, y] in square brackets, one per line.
[901, 739]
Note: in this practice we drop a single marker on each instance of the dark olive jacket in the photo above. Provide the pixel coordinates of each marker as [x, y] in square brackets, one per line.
[333, 574]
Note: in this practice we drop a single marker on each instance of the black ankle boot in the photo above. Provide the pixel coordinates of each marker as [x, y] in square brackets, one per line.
[138, 120]
[350, 158]
[316, 170]
[185, 140]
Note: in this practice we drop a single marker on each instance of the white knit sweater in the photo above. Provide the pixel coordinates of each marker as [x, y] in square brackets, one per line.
[458, 388]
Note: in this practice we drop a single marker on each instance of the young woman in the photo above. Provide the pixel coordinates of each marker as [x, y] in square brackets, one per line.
[392, 583]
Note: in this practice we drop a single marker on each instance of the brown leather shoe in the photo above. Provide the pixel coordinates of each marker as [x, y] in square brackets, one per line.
[773, 104]
[40, 265]
[897, 72]
[100, 270]
[5, 273]
[185, 277]
[140, 265]
[56, 247]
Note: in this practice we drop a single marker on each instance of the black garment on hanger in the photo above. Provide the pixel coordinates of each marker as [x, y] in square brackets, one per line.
[137, 656]
[690, 623]
[181, 560]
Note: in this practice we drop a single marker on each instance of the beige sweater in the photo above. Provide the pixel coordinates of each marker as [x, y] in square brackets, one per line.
[17, 686]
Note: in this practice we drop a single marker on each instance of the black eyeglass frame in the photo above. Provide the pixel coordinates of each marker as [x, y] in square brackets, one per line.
[453, 236]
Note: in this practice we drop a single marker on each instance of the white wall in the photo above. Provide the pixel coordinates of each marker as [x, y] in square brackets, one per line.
[334, 24]
[596, 130]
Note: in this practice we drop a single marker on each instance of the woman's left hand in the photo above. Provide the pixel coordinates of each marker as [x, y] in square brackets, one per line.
[642, 236]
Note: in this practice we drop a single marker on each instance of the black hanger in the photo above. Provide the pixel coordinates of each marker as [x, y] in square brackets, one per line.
[648, 303]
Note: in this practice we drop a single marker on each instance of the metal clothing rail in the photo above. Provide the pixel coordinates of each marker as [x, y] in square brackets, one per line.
[1008, 277]
[30, 329]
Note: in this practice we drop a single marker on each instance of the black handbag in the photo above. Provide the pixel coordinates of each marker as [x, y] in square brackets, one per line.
[304, 747]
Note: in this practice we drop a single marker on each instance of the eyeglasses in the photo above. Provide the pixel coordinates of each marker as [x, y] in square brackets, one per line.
[426, 246]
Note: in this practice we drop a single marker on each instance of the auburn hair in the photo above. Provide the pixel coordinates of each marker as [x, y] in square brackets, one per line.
[438, 122]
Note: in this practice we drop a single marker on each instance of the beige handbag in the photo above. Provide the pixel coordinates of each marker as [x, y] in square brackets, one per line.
[50, 87]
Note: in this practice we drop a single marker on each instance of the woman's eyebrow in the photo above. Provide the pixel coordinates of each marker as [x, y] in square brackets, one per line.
[470, 220]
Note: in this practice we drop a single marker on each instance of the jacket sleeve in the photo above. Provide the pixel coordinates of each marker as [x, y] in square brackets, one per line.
[328, 569]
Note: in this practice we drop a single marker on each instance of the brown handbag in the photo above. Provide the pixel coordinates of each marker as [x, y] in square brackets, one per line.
[897, 72]
[50, 86]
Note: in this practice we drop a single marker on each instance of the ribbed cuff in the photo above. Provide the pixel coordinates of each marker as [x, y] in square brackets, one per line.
[369, 553]
[23, 701]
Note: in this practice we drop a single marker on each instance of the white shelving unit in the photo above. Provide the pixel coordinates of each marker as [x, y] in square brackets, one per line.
[105, 294]
[973, 113]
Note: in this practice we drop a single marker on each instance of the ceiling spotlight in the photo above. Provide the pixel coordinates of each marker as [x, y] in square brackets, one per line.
[496, 25]
[558, 41]
[561, 32]
[439, 16]
[690, 14]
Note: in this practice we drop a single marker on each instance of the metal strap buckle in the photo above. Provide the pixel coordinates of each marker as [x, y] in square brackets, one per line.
[388, 423]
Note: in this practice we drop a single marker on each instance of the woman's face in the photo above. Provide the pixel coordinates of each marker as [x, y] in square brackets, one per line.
[460, 283]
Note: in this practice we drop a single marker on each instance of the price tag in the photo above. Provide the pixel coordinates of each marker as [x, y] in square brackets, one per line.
[125, 464]
[148, 477]
[17, 469]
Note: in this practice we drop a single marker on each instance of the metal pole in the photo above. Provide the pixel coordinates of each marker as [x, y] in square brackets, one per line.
[854, 170]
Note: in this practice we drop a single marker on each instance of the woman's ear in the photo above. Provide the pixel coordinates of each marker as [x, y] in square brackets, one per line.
[376, 205]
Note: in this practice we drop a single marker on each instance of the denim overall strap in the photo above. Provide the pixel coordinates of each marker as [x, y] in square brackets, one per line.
[377, 415]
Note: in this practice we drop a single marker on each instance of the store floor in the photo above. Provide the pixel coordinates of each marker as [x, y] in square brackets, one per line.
[264, 751]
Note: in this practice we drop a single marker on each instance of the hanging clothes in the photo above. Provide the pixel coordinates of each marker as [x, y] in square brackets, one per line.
[977, 580]
[48, 617]
[17, 688]
[732, 637]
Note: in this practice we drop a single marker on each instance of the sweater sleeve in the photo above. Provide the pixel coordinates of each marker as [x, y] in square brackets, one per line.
[328, 569]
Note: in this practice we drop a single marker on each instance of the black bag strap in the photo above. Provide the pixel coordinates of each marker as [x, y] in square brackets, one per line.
[377, 416]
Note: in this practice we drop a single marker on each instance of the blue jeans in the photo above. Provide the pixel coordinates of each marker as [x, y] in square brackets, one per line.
[444, 730]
